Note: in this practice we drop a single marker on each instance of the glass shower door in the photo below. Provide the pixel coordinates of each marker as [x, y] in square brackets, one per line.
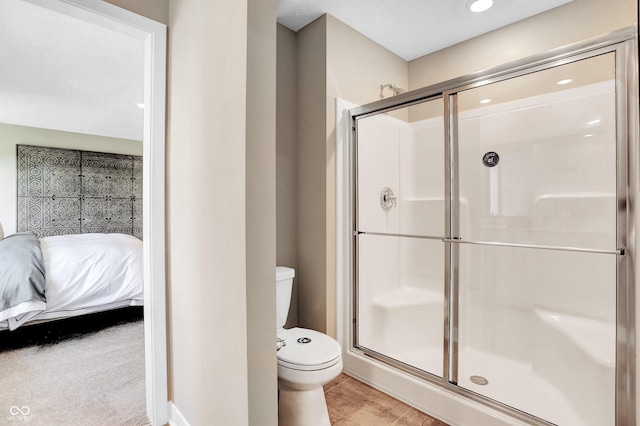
[400, 224]
[536, 215]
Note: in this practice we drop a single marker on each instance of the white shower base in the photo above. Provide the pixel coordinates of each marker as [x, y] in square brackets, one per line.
[509, 382]
[514, 384]
[541, 391]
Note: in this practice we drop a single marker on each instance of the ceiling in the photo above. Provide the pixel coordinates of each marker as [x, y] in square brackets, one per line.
[60, 73]
[57, 72]
[413, 28]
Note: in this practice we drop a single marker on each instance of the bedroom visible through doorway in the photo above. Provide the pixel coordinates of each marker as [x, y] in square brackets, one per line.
[148, 39]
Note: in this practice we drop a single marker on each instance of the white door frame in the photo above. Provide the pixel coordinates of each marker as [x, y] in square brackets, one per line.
[154, 35]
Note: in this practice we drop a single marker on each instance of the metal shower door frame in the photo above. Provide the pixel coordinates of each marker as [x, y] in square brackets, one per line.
[625, 295]
[624, 44]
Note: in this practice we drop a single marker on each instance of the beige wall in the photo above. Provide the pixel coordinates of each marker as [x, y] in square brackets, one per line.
[334, 61]
[11, 135]
[158, 10]
[311, 278]
[287, 158]
[261, 212]
[221, 165]
[357, 66]
[206, 238]
[570, 23]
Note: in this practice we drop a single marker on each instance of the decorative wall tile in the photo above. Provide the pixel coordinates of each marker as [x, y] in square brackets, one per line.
[111, 183]
[107, 212]
[48, 216]
[64, 191]
[137, 217]
[108, 229]
[137, 197]
[45, 172]
[137, 177]
[107, 175]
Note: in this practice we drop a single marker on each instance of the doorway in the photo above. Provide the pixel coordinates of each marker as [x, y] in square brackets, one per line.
[153, 35]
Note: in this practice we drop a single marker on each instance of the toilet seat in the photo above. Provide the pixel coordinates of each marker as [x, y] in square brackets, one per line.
[307, 350]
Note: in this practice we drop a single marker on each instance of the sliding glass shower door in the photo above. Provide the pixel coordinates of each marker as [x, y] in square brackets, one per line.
[492, 254]
[537, 251]
[400, 227]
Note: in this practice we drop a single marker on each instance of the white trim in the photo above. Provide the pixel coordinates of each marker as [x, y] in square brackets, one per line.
[176, 418]
[154, 35]
[343, 223]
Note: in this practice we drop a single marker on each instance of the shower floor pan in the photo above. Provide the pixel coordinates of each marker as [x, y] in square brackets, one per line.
[400, 334]
[509, 382]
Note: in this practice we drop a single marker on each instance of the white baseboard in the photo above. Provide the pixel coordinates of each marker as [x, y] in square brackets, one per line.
[175, 416]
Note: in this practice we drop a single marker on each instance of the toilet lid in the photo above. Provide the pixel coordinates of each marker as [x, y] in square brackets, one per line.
[307, 349]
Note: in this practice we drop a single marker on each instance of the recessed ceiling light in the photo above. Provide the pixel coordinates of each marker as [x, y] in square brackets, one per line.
[140, 105]
[592, 122]
[565, 81]
[479, 5]
[588, 135]
[485, 101]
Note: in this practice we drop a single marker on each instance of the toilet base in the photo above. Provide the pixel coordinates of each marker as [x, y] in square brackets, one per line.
[303, 408]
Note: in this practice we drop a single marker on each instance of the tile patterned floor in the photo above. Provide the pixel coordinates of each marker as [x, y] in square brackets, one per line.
[352, 403]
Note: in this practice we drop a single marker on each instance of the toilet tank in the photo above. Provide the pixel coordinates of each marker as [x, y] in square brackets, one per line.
[284, 285]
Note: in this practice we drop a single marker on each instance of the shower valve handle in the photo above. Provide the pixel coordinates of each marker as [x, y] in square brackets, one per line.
[387, 199]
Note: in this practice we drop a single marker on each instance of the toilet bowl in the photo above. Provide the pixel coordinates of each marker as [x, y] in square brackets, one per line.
[307, 359]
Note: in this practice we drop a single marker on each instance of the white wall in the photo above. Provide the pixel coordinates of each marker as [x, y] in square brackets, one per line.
[11, 135]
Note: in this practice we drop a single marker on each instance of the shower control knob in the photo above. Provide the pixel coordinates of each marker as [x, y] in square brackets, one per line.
[387, 199]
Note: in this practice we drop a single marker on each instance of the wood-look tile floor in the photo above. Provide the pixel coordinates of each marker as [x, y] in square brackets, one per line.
[352, 403]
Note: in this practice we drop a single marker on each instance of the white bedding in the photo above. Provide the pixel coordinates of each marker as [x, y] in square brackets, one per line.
[88, 273]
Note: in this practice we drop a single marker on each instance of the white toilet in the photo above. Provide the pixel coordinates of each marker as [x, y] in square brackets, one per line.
[307, 360]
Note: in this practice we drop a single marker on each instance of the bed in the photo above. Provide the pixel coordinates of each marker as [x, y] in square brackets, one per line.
[62, 276]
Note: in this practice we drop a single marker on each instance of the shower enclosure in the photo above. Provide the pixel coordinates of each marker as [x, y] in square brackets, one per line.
[492, 236]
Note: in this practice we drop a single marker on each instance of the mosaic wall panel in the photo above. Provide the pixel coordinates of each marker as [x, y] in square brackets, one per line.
[63, 191]
[137, 197]
[48, 172]
[137, 217]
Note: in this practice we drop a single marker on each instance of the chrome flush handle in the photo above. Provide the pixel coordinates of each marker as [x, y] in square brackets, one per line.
[280, 343]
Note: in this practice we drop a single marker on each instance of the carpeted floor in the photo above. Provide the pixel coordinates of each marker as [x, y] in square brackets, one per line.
[83, 371]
